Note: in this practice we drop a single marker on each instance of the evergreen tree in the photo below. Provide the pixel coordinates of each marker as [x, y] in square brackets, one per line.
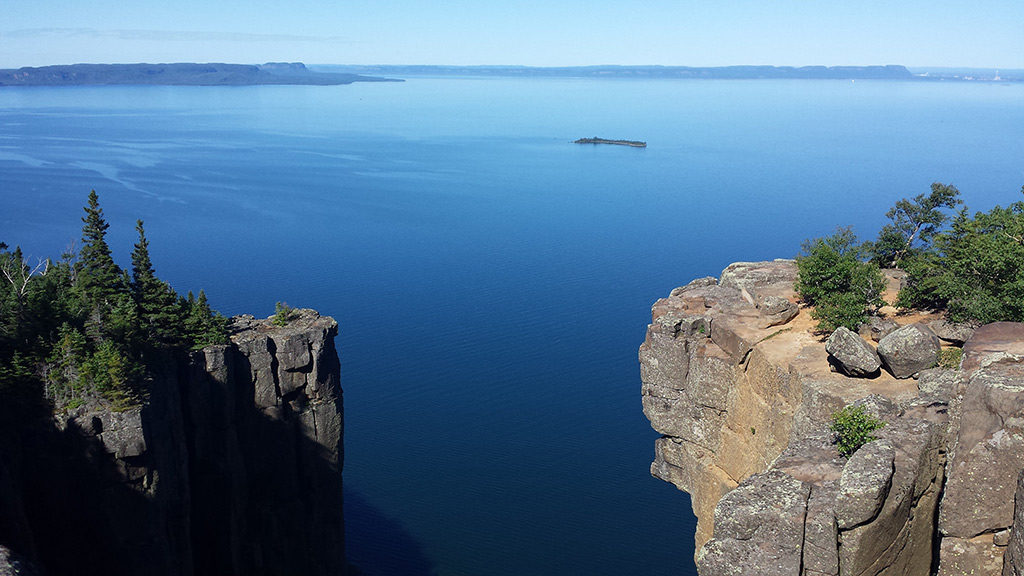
[204, 326]
[99, 278]
[158, 307]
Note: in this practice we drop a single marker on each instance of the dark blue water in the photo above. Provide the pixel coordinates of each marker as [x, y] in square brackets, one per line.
[491, 280]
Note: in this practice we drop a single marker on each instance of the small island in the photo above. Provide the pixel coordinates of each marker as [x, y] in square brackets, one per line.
[596, 140]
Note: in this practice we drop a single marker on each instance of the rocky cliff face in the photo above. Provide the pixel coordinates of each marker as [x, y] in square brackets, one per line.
[742, 392]
[232, 467]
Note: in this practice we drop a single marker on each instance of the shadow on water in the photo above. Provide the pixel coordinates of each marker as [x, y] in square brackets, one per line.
[378, 544]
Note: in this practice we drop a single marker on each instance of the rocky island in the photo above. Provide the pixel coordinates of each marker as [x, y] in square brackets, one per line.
[596, 140]
[743, 391]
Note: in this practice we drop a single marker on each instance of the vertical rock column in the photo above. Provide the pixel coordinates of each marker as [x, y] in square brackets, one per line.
[290, 427]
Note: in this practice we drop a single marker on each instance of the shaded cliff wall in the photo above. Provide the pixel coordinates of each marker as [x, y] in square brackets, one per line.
[232, 467]
[743, 407]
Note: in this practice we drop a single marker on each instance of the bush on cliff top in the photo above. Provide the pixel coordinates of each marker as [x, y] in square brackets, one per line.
[853, 428]
[832, 277]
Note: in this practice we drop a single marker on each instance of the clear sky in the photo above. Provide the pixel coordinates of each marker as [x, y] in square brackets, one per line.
[982, 33]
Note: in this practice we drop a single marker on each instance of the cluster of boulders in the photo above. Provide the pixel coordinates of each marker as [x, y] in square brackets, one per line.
[903, 351]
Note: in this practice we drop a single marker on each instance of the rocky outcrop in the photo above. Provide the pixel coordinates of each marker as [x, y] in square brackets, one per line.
[744, 419]
[232, 467]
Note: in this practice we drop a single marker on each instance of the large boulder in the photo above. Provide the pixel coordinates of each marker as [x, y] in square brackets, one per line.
[909, 350]
[865, 484]
[851, 354]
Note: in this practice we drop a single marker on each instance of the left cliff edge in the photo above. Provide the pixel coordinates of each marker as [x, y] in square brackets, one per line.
[234, 466]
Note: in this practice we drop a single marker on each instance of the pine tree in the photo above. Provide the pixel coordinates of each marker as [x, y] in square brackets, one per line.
[98, 277]
[157, 303]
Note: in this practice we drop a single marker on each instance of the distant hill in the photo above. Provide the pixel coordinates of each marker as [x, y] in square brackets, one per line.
[180, 74]
[891, 72]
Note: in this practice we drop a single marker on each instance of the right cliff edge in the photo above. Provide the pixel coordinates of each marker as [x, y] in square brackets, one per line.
[743, 391]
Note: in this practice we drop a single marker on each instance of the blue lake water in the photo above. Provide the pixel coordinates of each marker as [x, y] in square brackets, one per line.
[492, 281]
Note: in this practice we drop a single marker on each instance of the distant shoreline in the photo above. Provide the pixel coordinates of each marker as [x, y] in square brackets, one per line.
[180, 74]
[889, 72]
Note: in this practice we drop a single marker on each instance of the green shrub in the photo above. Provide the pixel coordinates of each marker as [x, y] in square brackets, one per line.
[832, 277]
[853, 427]
[282, 314]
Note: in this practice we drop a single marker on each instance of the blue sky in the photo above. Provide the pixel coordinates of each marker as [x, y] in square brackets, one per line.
[985, 33]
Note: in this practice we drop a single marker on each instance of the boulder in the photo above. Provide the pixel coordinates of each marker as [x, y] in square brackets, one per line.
[953, 332]
[775, 311]
[877, 328]
[865, 484]
[851, 354]
[909, 350]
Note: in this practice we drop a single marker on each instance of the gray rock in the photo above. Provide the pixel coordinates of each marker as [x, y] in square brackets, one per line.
[12, 564]
[988, 452]
[759, 528]
[853, 356]
[759, 279]
[956, 333]
[865, 484]
[776, 311]
[877, 328]
[1013, 562]
[909, 350]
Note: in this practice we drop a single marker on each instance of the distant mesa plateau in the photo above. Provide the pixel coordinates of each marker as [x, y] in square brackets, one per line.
[180, 74]
[596, 140]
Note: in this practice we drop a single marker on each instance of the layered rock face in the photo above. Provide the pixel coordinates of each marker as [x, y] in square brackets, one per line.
[233, 467]
[744, 409]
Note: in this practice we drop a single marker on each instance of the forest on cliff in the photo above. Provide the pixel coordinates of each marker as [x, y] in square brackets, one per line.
[82, 330]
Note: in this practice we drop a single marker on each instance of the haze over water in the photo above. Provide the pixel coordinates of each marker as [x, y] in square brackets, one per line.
[492, 281]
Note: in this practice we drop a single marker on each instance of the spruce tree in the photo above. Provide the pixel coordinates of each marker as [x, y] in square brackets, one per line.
[99, 278]
[157, 303]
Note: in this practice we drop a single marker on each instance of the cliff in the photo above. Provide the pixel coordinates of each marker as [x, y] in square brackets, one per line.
[233, 466]
[742, 392]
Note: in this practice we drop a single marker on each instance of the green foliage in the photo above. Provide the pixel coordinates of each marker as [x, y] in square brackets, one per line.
[977, 273]
[853, 428]
[81, 330]
[98, 277]
[917, 220]
[282, 314]
[949, 358]
[204, 326]
[832, 277]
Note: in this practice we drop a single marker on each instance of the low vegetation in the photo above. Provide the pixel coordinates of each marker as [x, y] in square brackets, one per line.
[853, 428]
[82, 330]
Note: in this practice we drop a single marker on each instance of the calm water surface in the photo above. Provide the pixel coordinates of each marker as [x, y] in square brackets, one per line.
[492, 281]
